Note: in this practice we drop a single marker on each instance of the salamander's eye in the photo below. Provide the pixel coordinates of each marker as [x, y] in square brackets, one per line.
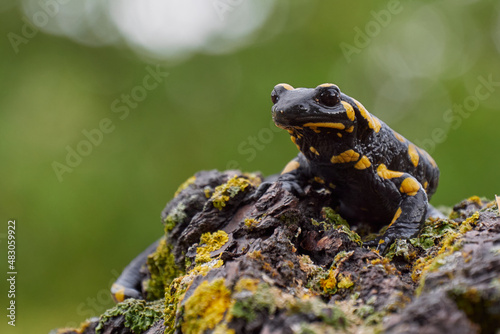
[274, 96]
[329, 97]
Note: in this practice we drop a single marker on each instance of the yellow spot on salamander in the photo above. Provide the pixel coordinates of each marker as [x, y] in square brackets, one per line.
[344, 157]
[363, 163]
[412, 152]
[426, 185]
[291, 166]
[331, 185]
[399, 137]
[339, 134]
[327, 85]
[385, 173]
[350, 129]
[410, 186]
[293, 139]
[339, 126]
[396, 216]
[427, 156]
[349, 110]
[286, 86]
[373, 122]
[313, 150]
[319, 180]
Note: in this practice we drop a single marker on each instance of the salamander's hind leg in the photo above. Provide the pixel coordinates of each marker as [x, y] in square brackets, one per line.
[128, 285]
[411, 213]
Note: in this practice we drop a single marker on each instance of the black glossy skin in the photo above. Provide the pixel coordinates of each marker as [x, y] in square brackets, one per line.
[364, 190]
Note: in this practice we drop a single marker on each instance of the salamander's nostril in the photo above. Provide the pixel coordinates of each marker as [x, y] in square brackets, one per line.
[302, 107]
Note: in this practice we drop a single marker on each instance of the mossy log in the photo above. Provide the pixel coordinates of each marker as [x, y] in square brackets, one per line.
[231, 263]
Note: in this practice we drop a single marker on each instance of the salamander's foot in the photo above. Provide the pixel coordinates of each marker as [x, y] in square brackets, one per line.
[288, 185]
[382, 243]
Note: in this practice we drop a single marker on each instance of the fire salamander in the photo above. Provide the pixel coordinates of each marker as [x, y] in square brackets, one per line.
[374, 173]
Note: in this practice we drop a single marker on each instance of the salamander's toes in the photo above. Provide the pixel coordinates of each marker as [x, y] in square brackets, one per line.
[382, 243]
[293, 187]
[261, 190]
[120, 293]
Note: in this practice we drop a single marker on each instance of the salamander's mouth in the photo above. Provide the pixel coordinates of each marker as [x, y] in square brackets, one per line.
[309, 121]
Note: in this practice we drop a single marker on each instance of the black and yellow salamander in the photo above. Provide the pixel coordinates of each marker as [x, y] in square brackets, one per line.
[375, 175]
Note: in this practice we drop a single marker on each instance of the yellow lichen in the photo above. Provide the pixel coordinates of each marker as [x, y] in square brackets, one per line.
[186, 184]
[222, 329]
[251, 223]
[256, 255]
[210, 242]
[204, 268]
[206, 307]
[329, 284]
[450, 242]
[386, 264]
[253, 178]
[344, 282]
[163, 270]
[248, 284]
[228, 190]
[476, 199]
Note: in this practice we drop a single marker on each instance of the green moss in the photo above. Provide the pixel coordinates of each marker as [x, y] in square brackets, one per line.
[161, 265]
[327, 314]
[139, 315]
[186, 184]
[223, 193]
[206, 307]
[175, 216]
[401, 248]
[266, 301]
[210, 242]
[261, 301]
[341, 224]
[447, 237]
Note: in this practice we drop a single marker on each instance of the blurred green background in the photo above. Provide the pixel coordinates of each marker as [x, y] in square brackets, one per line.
[422, 67]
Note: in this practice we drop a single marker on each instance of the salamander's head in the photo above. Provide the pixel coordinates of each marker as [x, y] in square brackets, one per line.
[320, 108]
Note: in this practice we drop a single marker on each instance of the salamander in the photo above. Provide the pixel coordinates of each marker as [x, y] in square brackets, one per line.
[375, 175]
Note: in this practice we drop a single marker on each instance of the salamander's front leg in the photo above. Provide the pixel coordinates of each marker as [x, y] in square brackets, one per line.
[293, 177]
[128, 285]
[411, 213]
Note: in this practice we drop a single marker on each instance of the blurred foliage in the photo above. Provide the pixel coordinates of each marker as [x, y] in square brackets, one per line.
[213, 111]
